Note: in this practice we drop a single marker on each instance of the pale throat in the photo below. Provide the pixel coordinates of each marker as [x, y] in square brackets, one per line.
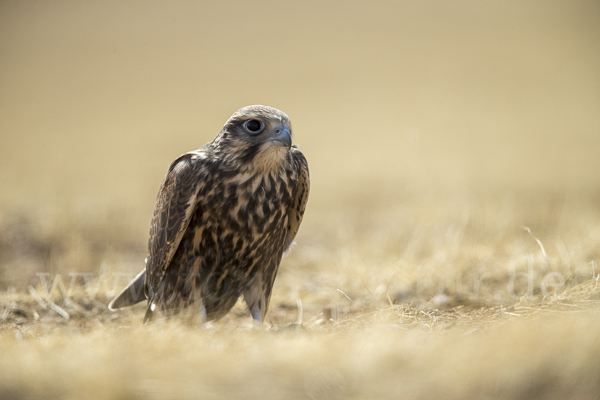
[269, 158]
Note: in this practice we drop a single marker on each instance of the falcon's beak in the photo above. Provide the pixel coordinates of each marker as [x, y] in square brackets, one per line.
[282, 137]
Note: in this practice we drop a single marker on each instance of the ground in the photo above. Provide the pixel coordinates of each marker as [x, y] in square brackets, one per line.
[429, 297]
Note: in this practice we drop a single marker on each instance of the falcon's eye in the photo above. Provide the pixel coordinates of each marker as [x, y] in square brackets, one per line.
[254, 126]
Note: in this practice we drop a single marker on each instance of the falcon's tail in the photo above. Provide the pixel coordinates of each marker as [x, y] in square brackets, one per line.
[132, 294]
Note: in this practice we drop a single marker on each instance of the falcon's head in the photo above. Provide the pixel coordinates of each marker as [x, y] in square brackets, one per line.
[257, 136]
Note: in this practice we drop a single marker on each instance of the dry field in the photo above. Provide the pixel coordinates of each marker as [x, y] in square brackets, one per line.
[451, 244]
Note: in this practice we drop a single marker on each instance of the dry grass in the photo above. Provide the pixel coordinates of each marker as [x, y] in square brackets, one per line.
[466, 306]
[436, 133]
[548, 351]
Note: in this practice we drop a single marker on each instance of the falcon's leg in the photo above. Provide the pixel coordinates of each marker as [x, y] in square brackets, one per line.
[201, 314]
[194, 303]
[193, 312]
[256, 299]
[256, 316]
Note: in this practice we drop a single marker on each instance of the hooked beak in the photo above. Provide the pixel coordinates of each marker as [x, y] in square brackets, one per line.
[282, 137]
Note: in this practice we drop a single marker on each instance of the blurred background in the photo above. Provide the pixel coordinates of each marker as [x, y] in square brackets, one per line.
[98, 97]
[391, 102]
[435, 131]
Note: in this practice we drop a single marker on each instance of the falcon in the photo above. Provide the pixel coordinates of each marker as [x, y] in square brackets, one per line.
[223, 218]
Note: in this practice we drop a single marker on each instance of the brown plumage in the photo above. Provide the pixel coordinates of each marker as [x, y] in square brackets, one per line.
[223, 218]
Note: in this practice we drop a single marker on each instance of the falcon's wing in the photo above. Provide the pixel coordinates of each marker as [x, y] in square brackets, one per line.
[297, 211]
[173, 210]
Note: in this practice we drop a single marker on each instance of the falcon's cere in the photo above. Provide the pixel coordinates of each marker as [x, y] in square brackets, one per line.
[223, 218]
